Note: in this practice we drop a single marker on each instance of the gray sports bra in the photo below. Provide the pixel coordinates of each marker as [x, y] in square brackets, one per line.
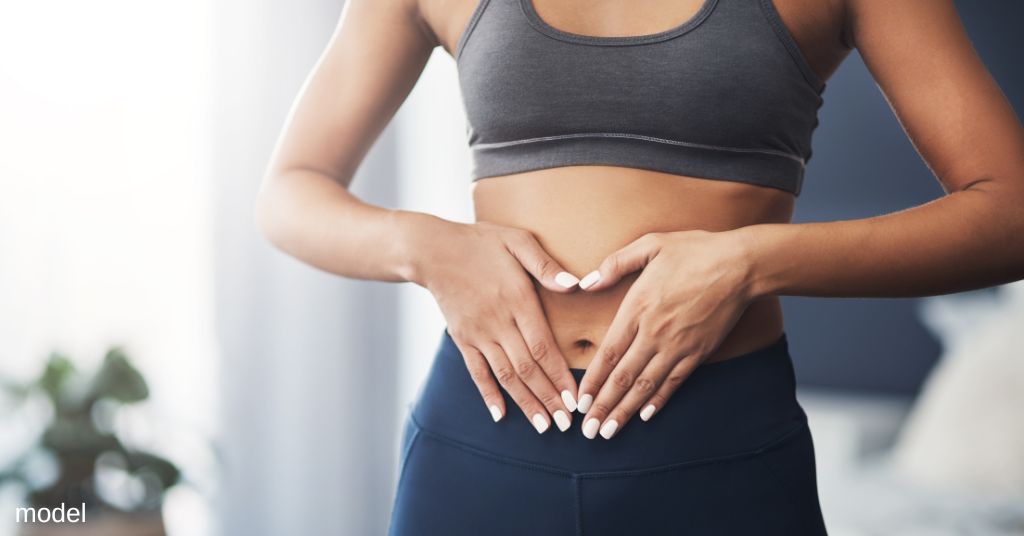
[725, 95]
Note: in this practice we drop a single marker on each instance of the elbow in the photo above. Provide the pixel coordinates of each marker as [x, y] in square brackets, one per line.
[1002, 221]
[1011, 203]
[265, 213]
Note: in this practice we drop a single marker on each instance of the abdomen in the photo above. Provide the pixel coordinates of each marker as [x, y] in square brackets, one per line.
[580, 214]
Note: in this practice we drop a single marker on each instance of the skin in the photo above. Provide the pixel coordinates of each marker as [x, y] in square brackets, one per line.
[692, 278]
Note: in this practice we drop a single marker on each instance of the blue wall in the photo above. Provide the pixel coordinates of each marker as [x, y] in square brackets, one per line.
[864, 165]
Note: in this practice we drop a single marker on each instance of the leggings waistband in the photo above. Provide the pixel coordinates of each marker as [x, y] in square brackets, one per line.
[736, 407]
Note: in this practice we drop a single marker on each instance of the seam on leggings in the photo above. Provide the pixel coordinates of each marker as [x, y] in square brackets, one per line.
[606, 474]
[783, 486]
[780, 485]
[417, 431]
[701, 461]
[577, 500]
[490, 455]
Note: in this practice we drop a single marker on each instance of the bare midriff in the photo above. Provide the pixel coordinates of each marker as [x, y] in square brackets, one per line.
[580, 214]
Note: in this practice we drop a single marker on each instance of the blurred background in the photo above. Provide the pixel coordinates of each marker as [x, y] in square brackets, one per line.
[159, 358]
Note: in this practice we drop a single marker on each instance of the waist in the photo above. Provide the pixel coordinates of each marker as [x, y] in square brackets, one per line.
[724, 410]
[581, 214]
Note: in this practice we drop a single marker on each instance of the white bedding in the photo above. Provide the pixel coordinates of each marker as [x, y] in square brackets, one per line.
[862, 492]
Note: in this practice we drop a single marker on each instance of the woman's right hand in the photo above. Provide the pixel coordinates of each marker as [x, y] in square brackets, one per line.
[479, 274]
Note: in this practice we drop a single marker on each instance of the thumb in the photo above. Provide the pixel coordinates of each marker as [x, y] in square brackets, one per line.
[528, 251]
[630, 258]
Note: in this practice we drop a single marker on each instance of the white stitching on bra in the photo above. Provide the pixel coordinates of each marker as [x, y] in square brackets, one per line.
[498, 145]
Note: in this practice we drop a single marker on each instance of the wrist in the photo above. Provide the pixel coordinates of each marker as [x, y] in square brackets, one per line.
[418, 236]
[755, 247]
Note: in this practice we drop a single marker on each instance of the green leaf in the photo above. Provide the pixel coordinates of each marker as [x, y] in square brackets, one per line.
[118, 379]
[55, 376]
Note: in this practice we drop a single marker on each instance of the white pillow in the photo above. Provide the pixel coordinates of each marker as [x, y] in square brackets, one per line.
[966, 428]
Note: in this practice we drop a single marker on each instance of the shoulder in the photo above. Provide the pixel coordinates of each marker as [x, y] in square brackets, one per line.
[406, 17]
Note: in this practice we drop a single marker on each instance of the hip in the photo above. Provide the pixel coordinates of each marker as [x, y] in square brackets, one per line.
[730, 408]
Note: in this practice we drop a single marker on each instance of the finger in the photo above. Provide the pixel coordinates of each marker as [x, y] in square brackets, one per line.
[675, 378]
[536, 380]
[628, 259]
[621, 380]
[643, 388]
[536, 332]
[545, 269]
[617, 340]
[520, 393]
[480, 372]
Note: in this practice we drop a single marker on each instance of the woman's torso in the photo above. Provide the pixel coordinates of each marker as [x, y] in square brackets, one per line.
[582, 213]
[580, 217]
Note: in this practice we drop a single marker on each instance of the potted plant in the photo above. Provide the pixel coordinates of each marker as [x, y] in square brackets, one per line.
[119, 488]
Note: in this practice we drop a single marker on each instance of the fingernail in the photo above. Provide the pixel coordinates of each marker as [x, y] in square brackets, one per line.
[585, 402]
[562, 420]
[590, 279]
[540, 423]
[495, 413]
[608, 430]
[568, 400]
[590, 428]
[565, 279]
[647, 412]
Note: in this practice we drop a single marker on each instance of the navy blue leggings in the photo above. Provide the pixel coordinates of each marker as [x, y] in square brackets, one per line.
[730, 454]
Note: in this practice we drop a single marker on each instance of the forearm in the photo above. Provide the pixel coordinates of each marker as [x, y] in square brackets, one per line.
[966, 240]
[315, 219]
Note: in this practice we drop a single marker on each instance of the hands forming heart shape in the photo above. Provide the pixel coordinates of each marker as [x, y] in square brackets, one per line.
[692, 288]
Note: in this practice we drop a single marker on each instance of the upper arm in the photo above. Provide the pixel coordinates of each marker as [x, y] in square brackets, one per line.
[952, 109]
[371, 63]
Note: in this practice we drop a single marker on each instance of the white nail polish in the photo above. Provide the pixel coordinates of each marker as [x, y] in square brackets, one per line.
[568, 400]
[540, 423]
[565, 279]
[647, 412]
[495, 413]
[608, 430]
[562, 420]
[590, 279]
[590, 428]
[585, 402]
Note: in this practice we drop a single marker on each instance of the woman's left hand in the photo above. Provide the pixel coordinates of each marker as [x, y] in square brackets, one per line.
[693, 287]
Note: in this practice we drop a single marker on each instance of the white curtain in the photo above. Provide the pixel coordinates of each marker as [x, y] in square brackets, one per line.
[308, 370]
[318, 371]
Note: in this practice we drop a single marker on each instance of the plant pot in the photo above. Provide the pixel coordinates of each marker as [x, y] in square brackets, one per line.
[104, 524]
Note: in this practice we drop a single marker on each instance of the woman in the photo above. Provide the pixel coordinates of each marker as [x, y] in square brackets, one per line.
[635, 171]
